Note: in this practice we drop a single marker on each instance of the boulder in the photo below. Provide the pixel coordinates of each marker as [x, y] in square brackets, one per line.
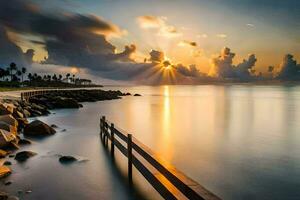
[4, 110]
[7, 163]
[38, 128]
[7, 127]
[9, 119]
[7, 138]
[4, 171]
[24, 155]
[137, 95]
[24, 142]
[3, 196]
[3, 153]
[22, 122]
[13, 198]
[66, 103]
[54, 126]
[67, 159]
[7, 183]
[26, 113]
[17, 114]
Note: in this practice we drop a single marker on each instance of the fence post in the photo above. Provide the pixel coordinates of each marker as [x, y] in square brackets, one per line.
[103, 127]
[129, 153]
[112, 134]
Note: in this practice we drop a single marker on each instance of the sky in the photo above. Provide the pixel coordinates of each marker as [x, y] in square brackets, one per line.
[187, 32]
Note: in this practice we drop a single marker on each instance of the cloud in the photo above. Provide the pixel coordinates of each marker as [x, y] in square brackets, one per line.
[250, 25]
[190, 71]
[289, 69]
[159, 24]
[187, 43]
[10, 52]
[221, 36]
[156, 56]
[242, 70]
[223, 68]
[26, 17]
[149, 21]
[222, 64]
[70, 40]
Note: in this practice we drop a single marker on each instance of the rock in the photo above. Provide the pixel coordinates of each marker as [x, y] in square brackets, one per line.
[24, 155]
[3, 196]
[11, 155]
[26, 113]
[18, 114]
[137, 95]
[66, 103]
[13, 198]
[3, 153]
[38, 128]
[7, 163]
[7, 138]
[4, 171]
[7, 127]
[12, 146]
[64, 130]
[9, 119]
[54, 126]
[67, 159]
[4, 110]
[22, 122]
[8, 183]
[10, 108]
[24, 142]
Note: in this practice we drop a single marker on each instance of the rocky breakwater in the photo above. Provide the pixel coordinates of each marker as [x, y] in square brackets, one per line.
[73, 98]
[14, 126]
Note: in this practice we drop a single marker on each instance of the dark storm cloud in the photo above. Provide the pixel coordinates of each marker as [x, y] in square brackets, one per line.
[289, 69]
[70, 39]
[24, 16]
[10, 52]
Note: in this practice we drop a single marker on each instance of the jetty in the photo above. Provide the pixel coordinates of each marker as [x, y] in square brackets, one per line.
[168, 181]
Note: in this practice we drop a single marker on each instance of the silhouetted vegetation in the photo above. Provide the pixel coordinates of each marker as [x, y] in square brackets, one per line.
[13, 76]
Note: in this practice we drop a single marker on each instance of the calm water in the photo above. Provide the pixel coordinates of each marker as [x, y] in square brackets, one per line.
[241, 142]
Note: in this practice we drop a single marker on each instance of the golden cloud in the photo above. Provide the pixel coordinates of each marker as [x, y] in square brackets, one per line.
[159, 23]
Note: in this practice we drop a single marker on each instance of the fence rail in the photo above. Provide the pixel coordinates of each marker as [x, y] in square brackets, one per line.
[25, 96]
[152, 167]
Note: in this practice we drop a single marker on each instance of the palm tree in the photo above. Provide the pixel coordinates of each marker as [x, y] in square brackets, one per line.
[2, 73]
[12, 67]
[54, 77]
[30, 77]
[19, 73]
[67, 76]
[23, 70]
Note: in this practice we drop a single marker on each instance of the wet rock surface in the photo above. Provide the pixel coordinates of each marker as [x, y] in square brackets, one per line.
[67, 159]
[38, 128]
[24, 155]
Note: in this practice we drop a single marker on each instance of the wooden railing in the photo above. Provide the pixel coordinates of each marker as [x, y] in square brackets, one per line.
[169, 182]
[25, 96]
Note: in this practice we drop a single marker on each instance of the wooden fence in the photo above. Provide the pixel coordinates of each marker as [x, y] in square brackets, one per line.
[25, 96]
[152, 168]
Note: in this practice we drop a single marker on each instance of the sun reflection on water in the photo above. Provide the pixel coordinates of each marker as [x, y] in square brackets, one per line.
[165, 141]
